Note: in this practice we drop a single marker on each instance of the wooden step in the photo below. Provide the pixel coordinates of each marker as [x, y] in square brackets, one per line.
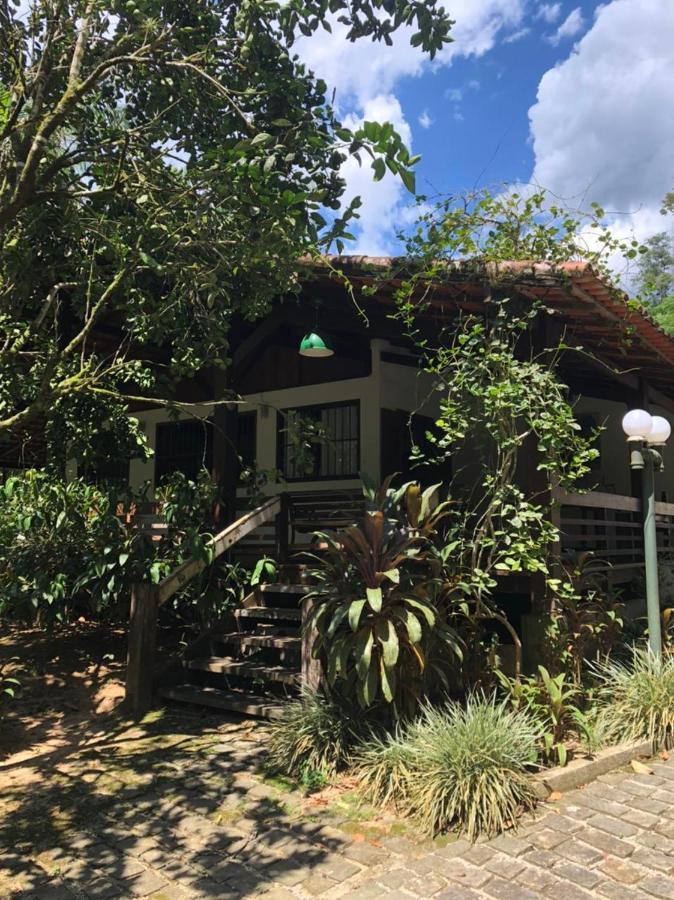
[271, 613]
[246, 704]
[246, 639]
[225, 665]
[280, 588]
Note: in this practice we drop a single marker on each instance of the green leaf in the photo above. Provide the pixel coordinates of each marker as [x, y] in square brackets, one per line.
[362, 649]
[409, 180]
[427, 612]
[368, 687]
[388, 682]
[355, 609]
[413, 626]
[388, 638]
[393, 575]
[374, 598]
[379, 168]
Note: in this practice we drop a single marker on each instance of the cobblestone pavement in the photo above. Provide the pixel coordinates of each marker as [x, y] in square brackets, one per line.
[177, 808]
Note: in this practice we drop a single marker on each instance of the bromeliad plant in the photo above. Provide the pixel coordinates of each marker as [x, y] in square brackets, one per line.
[379, 626]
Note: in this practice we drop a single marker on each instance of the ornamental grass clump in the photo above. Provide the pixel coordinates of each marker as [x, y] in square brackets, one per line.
[464, 767]
[386, 765]
[314, 736]
[635, 699]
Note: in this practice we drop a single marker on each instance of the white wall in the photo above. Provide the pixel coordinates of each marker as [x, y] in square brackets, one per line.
[394, 386]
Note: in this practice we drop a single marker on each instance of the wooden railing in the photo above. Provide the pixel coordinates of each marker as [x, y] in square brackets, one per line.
[610, 526]
[146, 599]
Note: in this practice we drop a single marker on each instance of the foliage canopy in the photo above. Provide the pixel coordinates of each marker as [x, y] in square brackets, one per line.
[163, 165]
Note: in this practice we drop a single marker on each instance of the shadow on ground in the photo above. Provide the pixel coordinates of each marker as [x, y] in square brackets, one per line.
[173, 803]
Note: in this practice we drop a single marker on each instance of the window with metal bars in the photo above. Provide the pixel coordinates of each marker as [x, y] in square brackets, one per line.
[336, 454]
[182, 447]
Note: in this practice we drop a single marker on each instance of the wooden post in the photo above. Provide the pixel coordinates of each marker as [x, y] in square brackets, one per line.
[225, 460]
[282, 536]
[312, 670]
[141, 653]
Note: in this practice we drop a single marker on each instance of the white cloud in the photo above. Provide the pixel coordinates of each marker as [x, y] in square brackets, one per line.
[383, 199]
[365, 76]
[601, 126]
[454, 94]
[516, 35]
[425, 120]
[549, 12]
[570, 27]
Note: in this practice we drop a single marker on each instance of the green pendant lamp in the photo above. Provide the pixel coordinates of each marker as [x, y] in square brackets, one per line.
[314, 344]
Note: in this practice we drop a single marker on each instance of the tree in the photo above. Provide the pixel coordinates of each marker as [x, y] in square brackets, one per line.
[656, 270]
[496, 382]
[163, 166]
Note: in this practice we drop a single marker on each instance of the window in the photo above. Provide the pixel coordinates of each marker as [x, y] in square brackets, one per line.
[113, 472]
[247, 438]
[337, 455]
[182, 447]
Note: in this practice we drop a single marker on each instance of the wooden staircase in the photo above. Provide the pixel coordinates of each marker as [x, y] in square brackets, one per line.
[255, 668]
[263, 659]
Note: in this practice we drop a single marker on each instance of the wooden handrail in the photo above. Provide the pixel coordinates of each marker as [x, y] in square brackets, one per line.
[603, 500]
[219, 543]
[147, 598]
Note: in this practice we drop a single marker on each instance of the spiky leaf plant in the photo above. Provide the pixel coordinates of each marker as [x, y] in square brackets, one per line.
[315, 734]
[457, 766]
[636, 698]
[385, 763]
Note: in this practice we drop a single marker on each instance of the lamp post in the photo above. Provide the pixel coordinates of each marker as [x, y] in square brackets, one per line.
[647, 433]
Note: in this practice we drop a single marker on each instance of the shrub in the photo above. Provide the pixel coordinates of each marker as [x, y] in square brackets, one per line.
[386, 765]
[60, 544]
[554, 705]
[636, 698]
[379, 626]
[462, 766]
[313, 738]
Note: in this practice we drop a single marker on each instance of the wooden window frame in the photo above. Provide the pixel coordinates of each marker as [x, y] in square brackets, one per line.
[280, 422]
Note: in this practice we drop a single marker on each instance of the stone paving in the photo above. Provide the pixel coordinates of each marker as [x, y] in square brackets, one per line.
[176, 810]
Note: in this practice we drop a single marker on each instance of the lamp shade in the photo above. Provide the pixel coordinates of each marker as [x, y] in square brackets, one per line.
[660, 431]
[637, 424]
[315, 345]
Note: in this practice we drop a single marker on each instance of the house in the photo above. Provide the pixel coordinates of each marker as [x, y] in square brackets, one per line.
[372, 399]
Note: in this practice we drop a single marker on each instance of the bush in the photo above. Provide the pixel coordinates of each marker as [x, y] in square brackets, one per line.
[313, 739]
[456, 766]
[636, 698]
[381, 622]
[65, 552]
[60, 546]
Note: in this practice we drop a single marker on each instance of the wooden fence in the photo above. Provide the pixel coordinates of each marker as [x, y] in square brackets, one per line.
[610, 526]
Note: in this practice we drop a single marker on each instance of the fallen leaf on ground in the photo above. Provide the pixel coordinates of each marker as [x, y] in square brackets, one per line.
[555, 795]
[641, 768]
[664, 754]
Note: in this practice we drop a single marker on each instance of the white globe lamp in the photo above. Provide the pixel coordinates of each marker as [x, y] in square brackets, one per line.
[660, 431]
[637, 425]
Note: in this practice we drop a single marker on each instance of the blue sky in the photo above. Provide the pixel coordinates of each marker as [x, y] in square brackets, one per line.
[575, 96]
[479, 106]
